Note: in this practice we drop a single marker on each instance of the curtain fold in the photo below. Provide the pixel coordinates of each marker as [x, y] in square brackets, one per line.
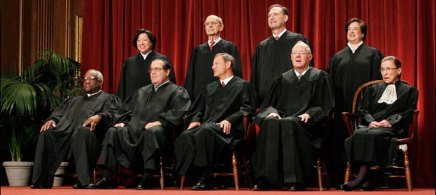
[405, 29]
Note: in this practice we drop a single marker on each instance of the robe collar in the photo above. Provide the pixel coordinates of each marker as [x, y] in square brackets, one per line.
[226, 80]
[90, 95]
[354, 47]
[144, 56]
[156, 88]
[280, 34]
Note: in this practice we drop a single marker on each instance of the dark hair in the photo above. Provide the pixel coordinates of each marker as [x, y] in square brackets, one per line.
[149, 34]
[397, 62]
[284, 9]
[362, 24]
[166, 65]
[227, 58]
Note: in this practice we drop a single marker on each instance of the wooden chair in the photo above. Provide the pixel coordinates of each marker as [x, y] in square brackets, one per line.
[351, 123]
[241, 151]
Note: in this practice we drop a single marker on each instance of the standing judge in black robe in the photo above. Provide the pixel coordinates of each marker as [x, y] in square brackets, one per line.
[386, 112]
[351, 67]
[73, 130]
[199, 72]
[271, 57]
[144, 126]
[215, 121]
[134, 73]
[290, 119]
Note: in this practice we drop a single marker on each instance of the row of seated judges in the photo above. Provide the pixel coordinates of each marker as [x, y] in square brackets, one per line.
[292, 98]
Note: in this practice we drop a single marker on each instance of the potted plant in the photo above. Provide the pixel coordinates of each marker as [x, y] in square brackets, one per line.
[27, 100]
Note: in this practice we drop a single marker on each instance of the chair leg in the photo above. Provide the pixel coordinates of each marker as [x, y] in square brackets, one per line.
[161, 180]
[408, 172]
[347, 172]
[319, 168]
[235, 170]
[182, 181]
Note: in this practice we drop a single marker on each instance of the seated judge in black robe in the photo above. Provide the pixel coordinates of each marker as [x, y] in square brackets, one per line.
[271, 57]
[134, 73]
[290, 119]
[199, 73]
[349, 68]
[144, 126]
[73, 130]
[215, 121]
[386, 112]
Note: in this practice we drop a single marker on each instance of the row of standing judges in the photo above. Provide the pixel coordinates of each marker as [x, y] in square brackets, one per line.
[292, 107]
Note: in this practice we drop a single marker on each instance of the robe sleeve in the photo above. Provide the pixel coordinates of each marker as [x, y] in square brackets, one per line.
[189, 79]
[197, 110]
[254, 69]
[364, 106]
[248, 104]
[58, 113]
[375, 65]
[110, 108]
[323, 101]
[269, 103]
[180, 104]
[408, 111]
[121, 93]
[238, 68]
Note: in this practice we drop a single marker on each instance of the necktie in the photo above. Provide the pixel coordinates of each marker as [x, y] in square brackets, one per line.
[222, 84]
[211, 45]
[299, 76]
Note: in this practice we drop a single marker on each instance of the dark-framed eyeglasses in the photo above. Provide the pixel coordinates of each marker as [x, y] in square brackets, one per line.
[155, 69]
[90, 79]
[387, 69]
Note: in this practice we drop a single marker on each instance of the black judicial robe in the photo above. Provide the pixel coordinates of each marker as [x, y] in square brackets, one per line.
[376, 146]
[69, 137]
[129, 144]
[200, 72]
[202, 145]
[134, 73]
[272, 58]
[289, 141]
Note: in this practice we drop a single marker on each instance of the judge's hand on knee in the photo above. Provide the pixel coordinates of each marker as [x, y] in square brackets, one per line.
[193, 124]
[374, 124]
[152, 124]
[119, 125]
[226, 126]
[47, 125]
[304, 117]
[92, 122]
[385, 123]
[273, 115]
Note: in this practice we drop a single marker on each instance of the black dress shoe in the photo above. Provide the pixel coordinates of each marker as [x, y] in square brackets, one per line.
[345, 187]
[103, 184]
[146, 182]
[79, 186]
[202, 184]
[368, 185]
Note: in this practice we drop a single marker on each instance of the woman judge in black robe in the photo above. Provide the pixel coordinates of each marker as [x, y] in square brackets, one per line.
[386, 112]
[349, 68]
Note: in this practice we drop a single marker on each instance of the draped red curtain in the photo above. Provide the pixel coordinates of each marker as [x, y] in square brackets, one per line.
[404, 28]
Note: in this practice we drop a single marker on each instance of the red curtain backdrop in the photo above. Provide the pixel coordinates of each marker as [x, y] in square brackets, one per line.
[403, 28]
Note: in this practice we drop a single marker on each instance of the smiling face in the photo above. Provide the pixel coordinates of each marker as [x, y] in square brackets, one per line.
[213, 25]
[354, 33]
[158, 74]
[91, 84]
[389, 71]
[300, 56]
[143, 43]
[277, 18]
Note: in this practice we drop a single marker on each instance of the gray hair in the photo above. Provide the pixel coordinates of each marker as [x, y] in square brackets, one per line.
[218, 19]
[308, 50]
[227, 58]
[97, 74]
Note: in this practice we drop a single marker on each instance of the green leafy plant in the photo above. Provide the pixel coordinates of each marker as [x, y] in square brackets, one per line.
[27, 99]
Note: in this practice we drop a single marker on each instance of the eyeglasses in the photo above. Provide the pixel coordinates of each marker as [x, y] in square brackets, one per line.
[154, 69]
[299, 53]
[90, 79]
[387, 69]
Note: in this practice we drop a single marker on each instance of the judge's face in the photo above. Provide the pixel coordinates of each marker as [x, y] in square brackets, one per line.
[143, 43]
[212, 26]
[90, 83]
[220, 67]
[277, 18]
[354, 33]
[300, 56]
[389, 71]
[158, 74]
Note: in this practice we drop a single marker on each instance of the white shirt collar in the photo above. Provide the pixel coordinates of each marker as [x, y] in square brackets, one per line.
[226, 80]
[214, 41]
[157, 87]
[89, 95]
[304, 72]
[354, 47]
[145, 55]
[280, 34]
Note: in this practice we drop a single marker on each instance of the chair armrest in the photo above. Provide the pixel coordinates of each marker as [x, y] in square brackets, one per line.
[350, 121]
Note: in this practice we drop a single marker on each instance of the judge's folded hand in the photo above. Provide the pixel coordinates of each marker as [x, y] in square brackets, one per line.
[226, 126]
[92, 122]
[385, 123]
[374, 124]
[152, 124]
[119, 125]
[273, 115]
[194, 124]
[47, 125]
[304, 117]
